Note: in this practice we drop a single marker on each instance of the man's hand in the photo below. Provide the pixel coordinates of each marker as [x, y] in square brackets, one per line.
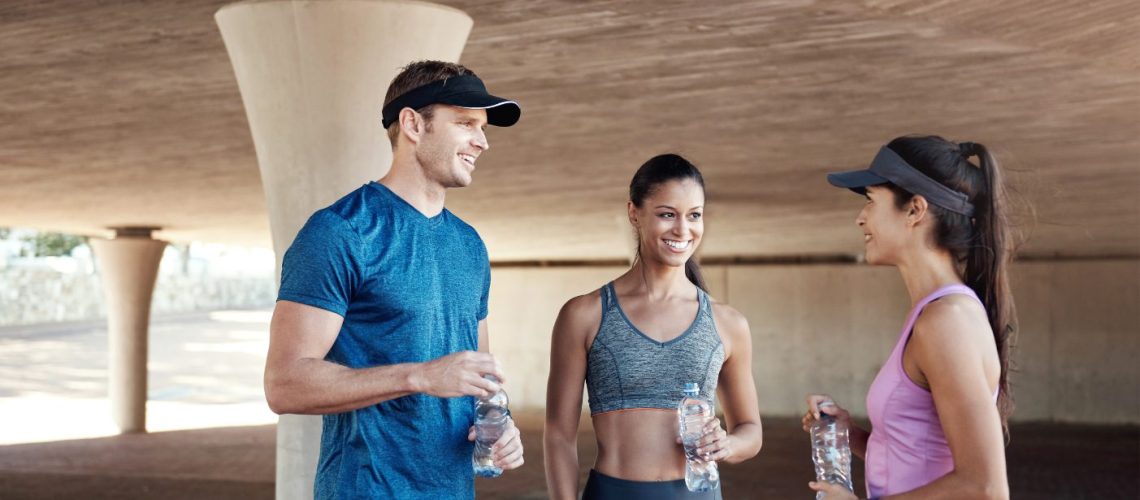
[458, 374]
[507, 452]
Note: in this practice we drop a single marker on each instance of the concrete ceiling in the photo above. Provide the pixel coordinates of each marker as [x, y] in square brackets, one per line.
[127, 113]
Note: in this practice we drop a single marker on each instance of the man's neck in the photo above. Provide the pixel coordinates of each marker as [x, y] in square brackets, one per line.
[407, 180]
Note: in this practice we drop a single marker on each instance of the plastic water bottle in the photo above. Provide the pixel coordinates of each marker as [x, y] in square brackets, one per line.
[831, 451]
[491, 419]
[692, 414]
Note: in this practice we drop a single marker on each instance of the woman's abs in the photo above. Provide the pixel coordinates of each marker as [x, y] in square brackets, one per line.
[639, 445]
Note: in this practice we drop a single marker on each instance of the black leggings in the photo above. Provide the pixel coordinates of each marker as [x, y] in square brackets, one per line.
[602, 487]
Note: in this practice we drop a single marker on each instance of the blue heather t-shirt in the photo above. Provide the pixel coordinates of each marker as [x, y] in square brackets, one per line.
[411, 289]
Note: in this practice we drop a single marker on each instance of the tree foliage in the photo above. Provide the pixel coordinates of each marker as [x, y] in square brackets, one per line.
[54, 244]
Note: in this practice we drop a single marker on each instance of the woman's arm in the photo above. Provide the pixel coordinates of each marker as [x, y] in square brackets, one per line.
[952, 345]
[736, 390]
[568, 348]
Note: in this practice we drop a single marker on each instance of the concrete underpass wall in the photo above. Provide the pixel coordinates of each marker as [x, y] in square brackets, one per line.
[829, 328]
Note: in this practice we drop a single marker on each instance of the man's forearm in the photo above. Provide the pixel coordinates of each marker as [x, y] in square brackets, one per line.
[315, 386]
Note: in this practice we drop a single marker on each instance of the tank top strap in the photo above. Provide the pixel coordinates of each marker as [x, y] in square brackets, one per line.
[607, 297]
[704, 302]
[935, 295]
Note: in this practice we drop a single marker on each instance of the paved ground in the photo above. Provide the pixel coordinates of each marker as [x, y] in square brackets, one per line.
[206, 372]
[1046, 462]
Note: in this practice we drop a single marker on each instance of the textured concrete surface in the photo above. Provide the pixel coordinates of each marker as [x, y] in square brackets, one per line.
[120, 113]
[829, 328]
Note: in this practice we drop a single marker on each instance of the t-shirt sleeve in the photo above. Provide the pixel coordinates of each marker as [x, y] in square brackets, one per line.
[322, 266]
[486, 289]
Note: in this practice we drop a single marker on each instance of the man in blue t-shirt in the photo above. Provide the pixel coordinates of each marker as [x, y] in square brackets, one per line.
[380, 324]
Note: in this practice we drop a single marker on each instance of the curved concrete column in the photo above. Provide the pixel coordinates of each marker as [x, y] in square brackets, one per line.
[313, 75]
[128, 267]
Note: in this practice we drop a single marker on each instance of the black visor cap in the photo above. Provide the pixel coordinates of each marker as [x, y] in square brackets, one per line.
[888, 166]
[464, 91]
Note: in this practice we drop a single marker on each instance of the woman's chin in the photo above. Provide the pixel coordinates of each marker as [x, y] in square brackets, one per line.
[874, 259]
[672, 259]
[678, 260]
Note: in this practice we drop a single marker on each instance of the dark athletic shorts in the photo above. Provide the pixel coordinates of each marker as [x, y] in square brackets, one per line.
[602, 487]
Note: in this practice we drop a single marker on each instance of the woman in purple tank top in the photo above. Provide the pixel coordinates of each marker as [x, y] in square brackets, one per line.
[939, 405]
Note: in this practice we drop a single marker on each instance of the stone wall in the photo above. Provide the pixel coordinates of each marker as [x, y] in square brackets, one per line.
[44, 295]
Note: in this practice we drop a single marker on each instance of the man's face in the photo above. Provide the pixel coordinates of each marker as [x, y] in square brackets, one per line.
[452, 142]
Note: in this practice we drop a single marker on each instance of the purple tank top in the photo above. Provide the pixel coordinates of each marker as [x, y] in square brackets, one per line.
[907, 448]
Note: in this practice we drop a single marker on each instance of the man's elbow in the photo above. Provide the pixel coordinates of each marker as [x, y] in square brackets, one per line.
[277, 395]
[277, 405]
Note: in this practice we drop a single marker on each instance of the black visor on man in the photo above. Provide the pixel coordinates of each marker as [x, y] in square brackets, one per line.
[465, 91]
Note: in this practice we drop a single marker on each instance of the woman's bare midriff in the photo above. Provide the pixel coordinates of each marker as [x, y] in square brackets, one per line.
[639, 445]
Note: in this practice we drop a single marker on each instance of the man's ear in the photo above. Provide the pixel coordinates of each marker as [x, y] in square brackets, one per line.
[411, 124]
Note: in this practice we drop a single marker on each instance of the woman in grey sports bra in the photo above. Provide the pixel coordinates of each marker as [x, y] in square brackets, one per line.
[634, 343]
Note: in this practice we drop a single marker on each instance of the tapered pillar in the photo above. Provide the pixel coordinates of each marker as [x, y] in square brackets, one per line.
[128, 267]
[313, 75]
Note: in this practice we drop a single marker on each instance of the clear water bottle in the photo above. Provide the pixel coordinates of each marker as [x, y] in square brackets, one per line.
[831, 451]
[491, 420]
[693, 413]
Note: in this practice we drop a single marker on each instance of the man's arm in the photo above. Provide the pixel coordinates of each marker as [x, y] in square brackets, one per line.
[484, 337]
[507, 452]
[299, 380]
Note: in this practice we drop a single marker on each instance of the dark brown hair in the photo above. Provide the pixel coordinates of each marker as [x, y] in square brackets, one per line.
[652, 174]
[982, 245]
[417, 75]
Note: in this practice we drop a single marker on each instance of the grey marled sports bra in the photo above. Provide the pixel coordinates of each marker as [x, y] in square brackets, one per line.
[627, 369]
